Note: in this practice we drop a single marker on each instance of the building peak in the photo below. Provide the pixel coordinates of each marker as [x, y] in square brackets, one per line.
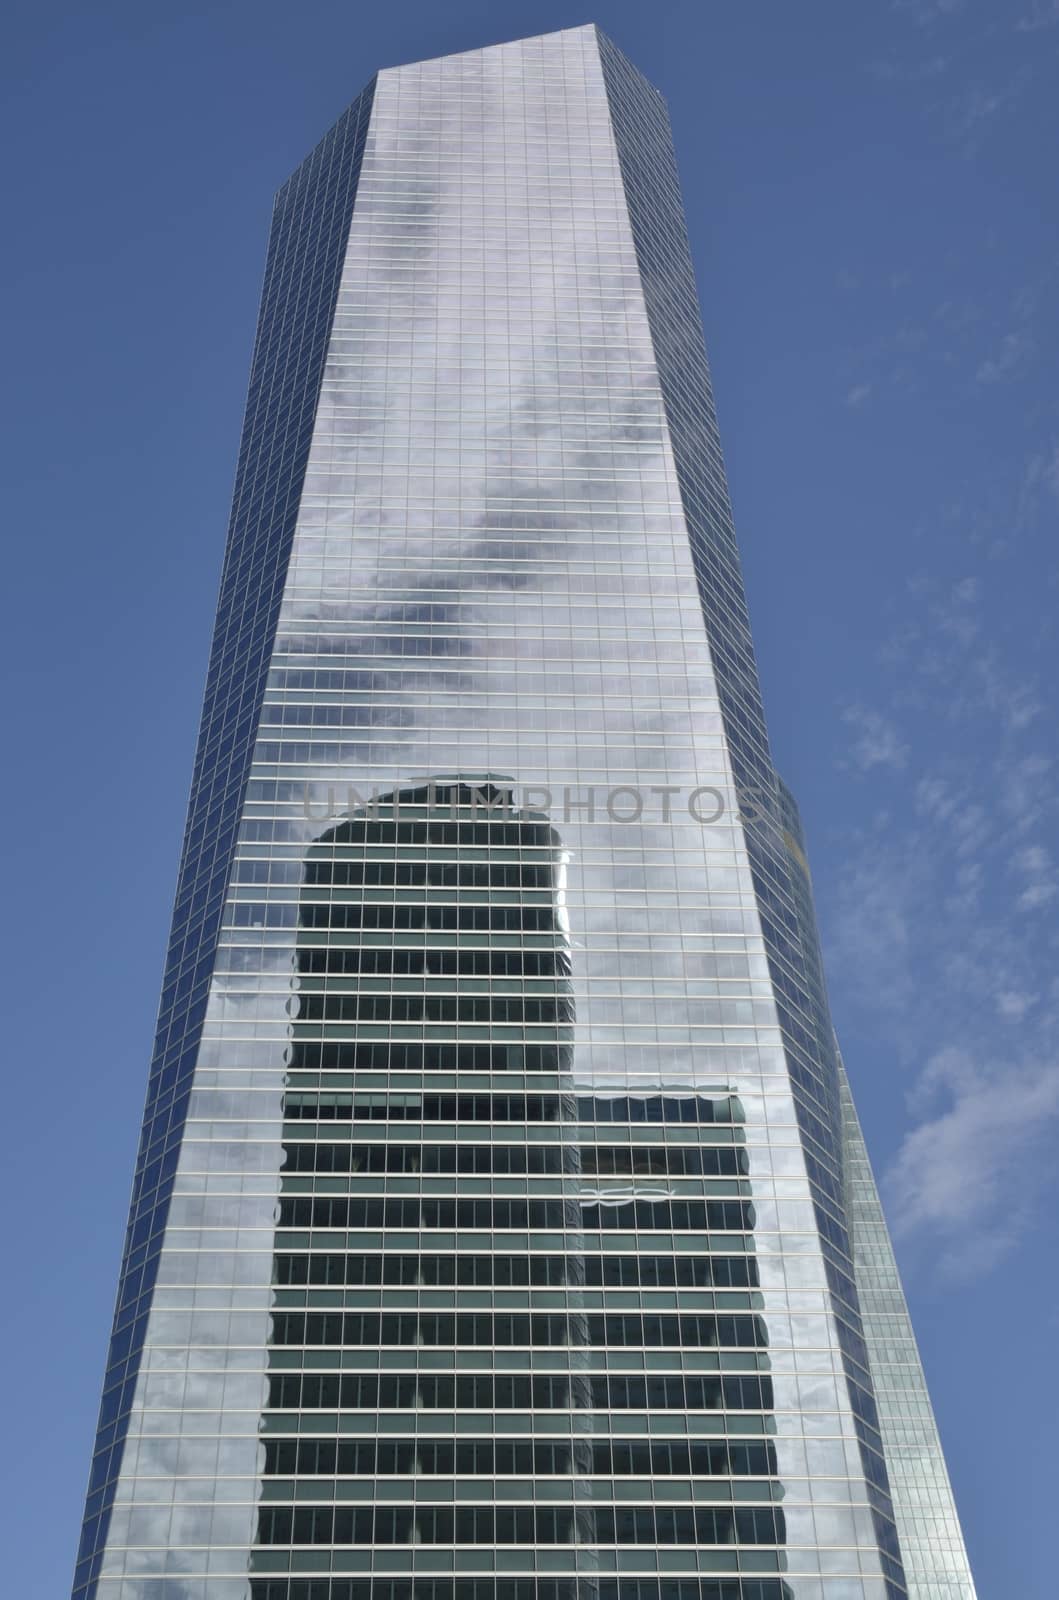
[500, 44]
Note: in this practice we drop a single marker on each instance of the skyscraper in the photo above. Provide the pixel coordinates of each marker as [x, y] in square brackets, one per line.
[502, 1228]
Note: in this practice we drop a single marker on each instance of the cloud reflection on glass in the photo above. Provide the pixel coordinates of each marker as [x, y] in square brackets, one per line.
[511, 554]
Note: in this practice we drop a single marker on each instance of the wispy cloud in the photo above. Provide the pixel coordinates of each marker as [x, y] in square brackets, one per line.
[1036, 895]
[1013, 700]
[968, 116]
[891, 71]
[948, 670]
[1040, 485]
[924, 12]
[1009, 360]
[875, 924]
[936, 930]
[1042, 14]
[1026, 790]
[877, 742]
[1051, 472]
[856, 396]
[1040, 883]
[1013, 1004]
[968, 1175]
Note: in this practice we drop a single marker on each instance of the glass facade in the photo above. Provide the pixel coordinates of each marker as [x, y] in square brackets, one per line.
[500, 1223]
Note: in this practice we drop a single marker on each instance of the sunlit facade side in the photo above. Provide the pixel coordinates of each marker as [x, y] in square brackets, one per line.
[492, 1230]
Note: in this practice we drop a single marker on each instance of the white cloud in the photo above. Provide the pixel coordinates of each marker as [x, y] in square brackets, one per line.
[934, 799]
[1050, 473]
[891, 71]
[958, 619]
[877, 742]
[933, 928]
[1035, 864]
[1033, 858]
[987, 686]
[1015, 350]
[873, 931]
[1042, 14]
[857, 395]
[927, 11]
[1036, 896]
[1040, 478]
[1013, 1005]
[968, 1174]
[970, 828]
[1025, 790]
[965, 898]
[969, 114]
[962, 824]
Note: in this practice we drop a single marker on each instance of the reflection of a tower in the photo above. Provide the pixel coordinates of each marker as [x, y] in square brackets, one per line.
[456, 1223]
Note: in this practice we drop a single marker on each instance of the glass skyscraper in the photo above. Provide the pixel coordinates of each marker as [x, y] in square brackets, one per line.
[502, 1228]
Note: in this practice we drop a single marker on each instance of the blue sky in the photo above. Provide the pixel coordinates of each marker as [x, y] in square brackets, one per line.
[871, 195]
